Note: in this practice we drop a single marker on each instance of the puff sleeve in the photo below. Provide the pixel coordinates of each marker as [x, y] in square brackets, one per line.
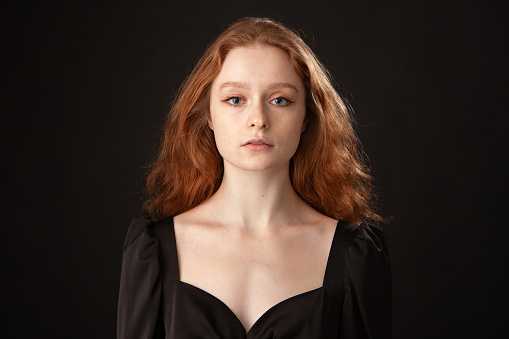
[367, 308]
[139, 300]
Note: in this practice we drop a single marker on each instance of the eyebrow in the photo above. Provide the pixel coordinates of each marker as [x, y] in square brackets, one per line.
[244, 85]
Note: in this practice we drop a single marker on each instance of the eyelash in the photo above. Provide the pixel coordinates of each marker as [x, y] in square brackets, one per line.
[288, 101]
[232, 97]
[280, 97]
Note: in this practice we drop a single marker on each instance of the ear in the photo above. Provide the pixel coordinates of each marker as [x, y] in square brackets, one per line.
[304, 124]
[209, 121]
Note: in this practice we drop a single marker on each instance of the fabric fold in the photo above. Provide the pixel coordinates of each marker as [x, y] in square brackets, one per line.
[367, 310]
[140, 283]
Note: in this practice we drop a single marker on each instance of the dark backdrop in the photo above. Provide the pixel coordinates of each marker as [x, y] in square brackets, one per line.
[85, 91]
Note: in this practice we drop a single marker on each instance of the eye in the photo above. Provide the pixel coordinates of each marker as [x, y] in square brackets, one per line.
[281, 101]
[234, 101]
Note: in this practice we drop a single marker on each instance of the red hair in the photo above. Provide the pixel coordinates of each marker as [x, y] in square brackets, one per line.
[327, 170]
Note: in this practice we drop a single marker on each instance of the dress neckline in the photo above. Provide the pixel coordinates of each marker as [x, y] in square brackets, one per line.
[223, 305]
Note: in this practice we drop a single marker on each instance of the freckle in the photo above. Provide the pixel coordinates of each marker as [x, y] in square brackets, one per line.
[262, 195]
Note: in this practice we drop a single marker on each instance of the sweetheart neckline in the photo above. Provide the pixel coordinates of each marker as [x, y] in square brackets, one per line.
[260, 318]
[270, 308]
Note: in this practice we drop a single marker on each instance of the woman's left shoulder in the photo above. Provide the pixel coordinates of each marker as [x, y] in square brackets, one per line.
[372, 234]
[367, 251]
[369, 293]
[366, 235]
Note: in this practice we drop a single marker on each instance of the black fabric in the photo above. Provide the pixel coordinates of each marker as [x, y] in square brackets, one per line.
[355, 301]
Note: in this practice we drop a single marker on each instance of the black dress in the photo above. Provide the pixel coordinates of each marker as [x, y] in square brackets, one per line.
[353, 303]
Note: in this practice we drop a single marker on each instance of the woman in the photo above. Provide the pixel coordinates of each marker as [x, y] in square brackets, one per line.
[254, 201]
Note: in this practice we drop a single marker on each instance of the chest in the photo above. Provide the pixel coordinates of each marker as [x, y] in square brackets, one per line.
[250, 274]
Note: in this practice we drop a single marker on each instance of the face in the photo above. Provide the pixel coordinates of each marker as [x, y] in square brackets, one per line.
[257, 108]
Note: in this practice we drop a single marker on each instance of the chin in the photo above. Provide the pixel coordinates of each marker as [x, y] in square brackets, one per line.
[257, 165]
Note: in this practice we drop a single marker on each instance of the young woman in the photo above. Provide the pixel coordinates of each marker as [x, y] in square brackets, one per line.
[256, 222]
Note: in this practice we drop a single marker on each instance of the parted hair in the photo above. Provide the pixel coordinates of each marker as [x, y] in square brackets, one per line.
[328, 170]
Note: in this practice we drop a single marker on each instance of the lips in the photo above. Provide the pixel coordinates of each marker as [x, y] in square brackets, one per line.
[256, 142]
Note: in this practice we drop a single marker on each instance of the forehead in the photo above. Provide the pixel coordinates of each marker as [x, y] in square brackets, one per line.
[258, 65]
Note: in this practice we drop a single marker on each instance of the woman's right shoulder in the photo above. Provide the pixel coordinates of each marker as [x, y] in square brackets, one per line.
[136, 228]
[144, 229]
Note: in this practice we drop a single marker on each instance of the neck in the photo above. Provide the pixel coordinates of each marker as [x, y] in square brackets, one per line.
[256, 200]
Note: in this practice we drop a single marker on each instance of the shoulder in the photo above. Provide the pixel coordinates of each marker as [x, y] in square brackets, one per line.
[365, 233]
[144, 227]
[364, 248]
[372, 236]
[136, 228]
[367, 253]
[368, 298]
[140, 282]
[356, 251]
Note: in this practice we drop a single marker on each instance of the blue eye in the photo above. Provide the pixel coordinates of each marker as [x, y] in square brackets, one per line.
[281, 101]
[234, 101]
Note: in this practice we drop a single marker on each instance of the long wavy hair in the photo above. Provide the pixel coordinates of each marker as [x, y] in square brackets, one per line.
[328, 170]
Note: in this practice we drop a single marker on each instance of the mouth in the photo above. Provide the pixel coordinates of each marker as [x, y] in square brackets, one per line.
[257, 142]
[257, 145]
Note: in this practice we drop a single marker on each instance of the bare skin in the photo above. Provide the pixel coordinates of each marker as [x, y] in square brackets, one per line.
[255, 243]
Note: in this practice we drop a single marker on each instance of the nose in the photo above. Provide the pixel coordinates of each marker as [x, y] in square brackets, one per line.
[258, 117]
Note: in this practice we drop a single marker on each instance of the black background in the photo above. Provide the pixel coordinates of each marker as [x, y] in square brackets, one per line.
[86, 88]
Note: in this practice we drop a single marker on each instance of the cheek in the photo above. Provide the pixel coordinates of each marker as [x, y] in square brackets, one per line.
[294, 142]
[223, 136]
[294, 136]
[294, 126]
